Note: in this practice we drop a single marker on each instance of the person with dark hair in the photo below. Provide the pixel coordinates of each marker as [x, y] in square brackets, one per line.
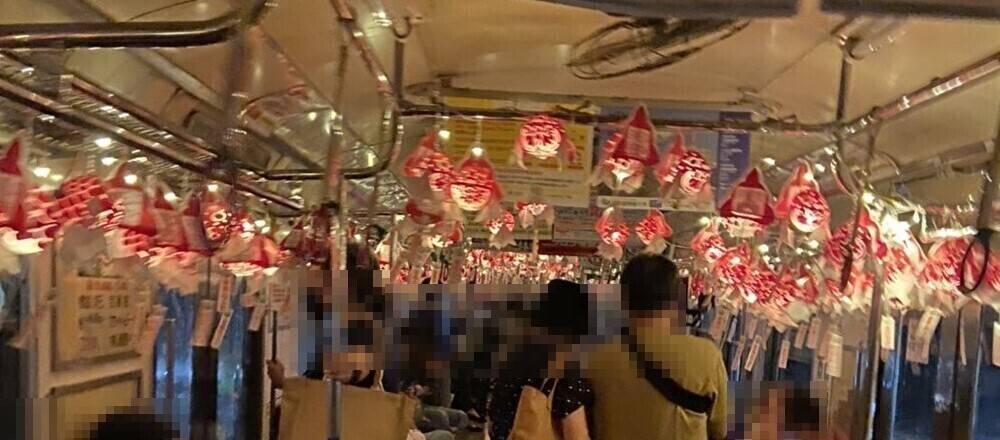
[562, 318]
[132, 424]
[657, 382]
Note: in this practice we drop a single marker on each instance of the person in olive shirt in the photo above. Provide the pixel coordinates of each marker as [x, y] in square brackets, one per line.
[630, 405]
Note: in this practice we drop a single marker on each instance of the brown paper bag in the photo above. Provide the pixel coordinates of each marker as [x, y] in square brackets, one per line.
[365, 414]
[533, 420]
[369, 414]
[305, 409]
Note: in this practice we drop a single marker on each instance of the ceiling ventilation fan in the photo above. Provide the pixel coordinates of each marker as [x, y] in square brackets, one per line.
[645, 44]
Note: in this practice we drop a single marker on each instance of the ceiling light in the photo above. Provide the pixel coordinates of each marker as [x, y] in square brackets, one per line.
[763, 248]
[704, 221]
[311, 116]
[42, 171]
[139, 159]
[131, 179]
[265, 230]
[768, 162]
[107, 108]
[103, 142]
[171, 196]
[260, 223]
[477, 151]
[28, 70]
[108, 161]
[819, 168]
[213, 187]
[57, 177]
[444, 134]
[296, 190]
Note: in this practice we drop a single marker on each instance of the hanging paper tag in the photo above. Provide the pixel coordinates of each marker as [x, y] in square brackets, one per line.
[734, 364]
[914, 343]
[225, 298]
[835, 356]
[800, 336]
[812, 340]
[279, 295]
[221, 328]
[996, 344]
[888, 333]
[751, 329]
[718, 324]
[203, 323]
[256, 318]
[752, 355]
[786, 346]
[824, 345]
[731, 333]
[151, 329]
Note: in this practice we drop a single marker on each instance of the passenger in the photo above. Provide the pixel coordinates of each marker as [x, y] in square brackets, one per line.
[132, 424]
[783, 412]
[430, 418]
[672, 385]
[562, 315]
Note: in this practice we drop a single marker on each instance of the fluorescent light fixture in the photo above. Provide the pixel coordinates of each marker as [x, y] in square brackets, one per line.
[103, 142]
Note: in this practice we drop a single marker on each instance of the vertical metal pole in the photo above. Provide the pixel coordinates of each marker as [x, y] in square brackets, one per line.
[168, 327]
[864, 427]
[885, 420]
[274, 357]
[971, 320]
[944, 386]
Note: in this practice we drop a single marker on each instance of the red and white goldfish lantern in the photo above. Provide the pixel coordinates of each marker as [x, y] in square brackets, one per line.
[191, 222]
[260, 253]
[529, 212]
[544, 137]
[132, 225]
[427, 160]
[868, 239]
[802, 204]
[13, 186]
[627, 153]
[82, 200]
[169, 221]
[25, 226]
[747, 211]
[447, 234]
[759, 284]
[708, 244]
[216, 218]
[501, 230]
[733, 268]
[613, 232]
[682, 171]
[653, 230]
[474, 186]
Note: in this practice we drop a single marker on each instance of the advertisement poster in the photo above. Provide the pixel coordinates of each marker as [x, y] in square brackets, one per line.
[559, 187]
[97, 317]
[728, 153]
